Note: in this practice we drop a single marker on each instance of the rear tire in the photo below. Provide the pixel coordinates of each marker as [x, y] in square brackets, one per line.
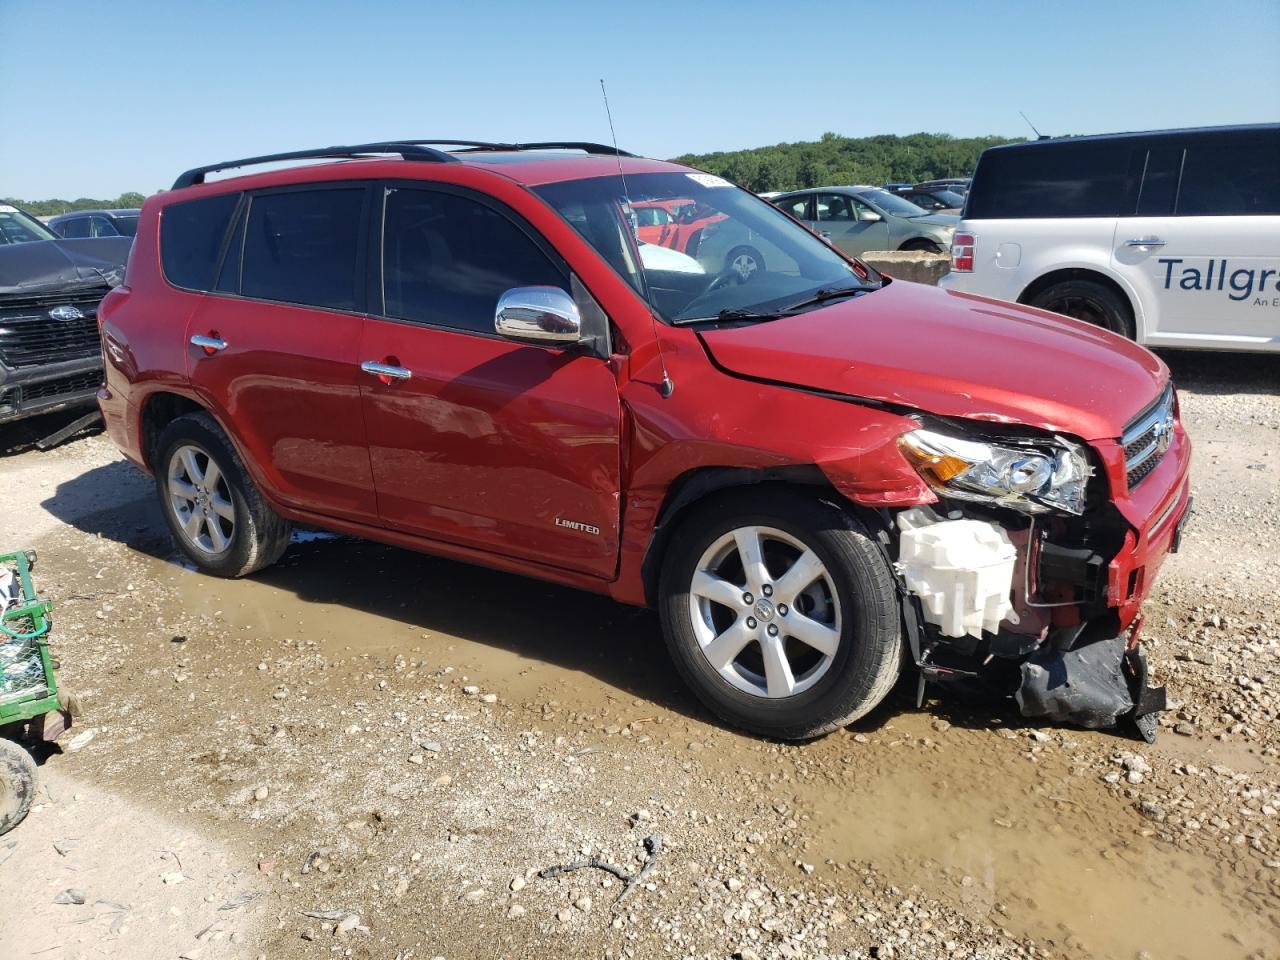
[217, 517]
[847, 614]
[1088, 301]
[17, 784]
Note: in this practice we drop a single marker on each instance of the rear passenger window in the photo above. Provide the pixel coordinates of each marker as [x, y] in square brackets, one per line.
[1062, 179]
[1231, 175]
[75, 229]
[302, 247]
[191, 236]
[447, 259]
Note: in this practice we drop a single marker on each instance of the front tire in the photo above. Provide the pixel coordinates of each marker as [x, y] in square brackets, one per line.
[780, 614]
[921, 245]
[217, 517]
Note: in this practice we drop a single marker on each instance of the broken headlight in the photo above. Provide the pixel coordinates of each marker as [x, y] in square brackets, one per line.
[1032, 478]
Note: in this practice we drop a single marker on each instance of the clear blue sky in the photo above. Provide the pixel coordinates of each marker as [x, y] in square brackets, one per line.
[101, 97]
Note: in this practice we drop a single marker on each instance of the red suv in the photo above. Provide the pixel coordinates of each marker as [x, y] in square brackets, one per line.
[815, 473]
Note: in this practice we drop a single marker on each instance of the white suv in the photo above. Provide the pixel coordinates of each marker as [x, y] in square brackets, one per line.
[1171, 238]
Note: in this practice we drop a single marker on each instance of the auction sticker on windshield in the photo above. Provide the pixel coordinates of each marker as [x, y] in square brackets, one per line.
[708, 180]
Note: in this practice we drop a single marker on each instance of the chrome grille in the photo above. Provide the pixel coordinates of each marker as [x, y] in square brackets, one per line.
[1147, 438]
[29, 337]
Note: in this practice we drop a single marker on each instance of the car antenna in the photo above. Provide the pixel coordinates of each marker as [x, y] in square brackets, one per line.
[1039, 135]
[668, 387]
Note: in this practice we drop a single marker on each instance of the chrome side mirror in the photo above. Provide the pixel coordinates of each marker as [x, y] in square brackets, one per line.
[870, 216]
[538, 315]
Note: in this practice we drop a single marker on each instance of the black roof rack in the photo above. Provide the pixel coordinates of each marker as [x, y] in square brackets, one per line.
[406, 149]
[585, 146]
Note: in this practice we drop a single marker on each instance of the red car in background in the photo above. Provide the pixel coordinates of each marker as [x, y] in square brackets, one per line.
[675, 224]
[815, 473]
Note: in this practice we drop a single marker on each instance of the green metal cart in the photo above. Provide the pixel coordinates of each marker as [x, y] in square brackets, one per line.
[31, 705]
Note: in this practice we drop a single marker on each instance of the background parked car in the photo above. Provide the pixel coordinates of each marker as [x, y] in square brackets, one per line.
[958, 185]
[933, 199]
[95, 223]
[1171, 237]
[857, 219]
[50, 357]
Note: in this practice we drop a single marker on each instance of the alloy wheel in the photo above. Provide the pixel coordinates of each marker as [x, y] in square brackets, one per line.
[745, 265]
[765, 612]
[201, 499]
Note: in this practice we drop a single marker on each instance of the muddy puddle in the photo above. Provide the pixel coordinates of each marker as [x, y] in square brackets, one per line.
[966, 816]
[529, 640]
[1043, 853]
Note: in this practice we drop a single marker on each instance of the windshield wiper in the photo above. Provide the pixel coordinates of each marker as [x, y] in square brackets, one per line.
[729, 315]
[825, 294]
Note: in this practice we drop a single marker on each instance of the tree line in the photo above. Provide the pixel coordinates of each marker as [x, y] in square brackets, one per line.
[784, 166]
[836, 160]
[50, 208]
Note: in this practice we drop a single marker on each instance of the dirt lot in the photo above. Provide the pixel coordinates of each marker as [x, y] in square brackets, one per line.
[399, 744]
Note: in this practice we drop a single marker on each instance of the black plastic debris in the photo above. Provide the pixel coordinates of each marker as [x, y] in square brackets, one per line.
[1086, 686]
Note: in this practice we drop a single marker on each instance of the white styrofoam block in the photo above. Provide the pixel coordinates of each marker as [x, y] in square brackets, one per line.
[962, 571]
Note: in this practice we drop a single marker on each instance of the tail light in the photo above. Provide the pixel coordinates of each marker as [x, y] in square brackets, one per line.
[962, 247]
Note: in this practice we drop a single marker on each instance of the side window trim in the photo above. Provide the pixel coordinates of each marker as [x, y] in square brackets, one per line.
[1177, 189]
[239, 220]
[1147, 148]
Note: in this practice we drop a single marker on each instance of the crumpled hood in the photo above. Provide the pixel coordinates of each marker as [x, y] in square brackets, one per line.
[953, 354]
[48, 266]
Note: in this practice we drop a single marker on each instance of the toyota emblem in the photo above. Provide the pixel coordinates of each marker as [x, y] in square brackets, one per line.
[66, 311]
[1164, 433]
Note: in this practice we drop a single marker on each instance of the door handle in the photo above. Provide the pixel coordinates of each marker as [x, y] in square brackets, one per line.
[385, 371]
[210, 345]
[1145, 242]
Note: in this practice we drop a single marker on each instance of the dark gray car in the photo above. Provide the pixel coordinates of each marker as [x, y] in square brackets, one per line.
[95, 223]
[858, 219]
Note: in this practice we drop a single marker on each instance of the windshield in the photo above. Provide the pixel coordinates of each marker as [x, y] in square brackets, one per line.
[694, 245]
[892, 203]
[128, 226]
[948, 197]
[18, 227]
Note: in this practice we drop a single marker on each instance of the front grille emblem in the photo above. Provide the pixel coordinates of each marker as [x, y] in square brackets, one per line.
[1163, 432]
[65, 311]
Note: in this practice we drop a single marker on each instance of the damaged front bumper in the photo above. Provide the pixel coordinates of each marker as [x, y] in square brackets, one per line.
[1045, 608]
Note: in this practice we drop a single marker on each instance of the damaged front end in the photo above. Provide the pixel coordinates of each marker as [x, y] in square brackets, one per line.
[1011, 584]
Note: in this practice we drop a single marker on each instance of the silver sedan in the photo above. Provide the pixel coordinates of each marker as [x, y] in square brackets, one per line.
[858, 219]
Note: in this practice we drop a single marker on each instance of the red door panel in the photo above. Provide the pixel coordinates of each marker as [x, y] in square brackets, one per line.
[288, 383]
[490, 444]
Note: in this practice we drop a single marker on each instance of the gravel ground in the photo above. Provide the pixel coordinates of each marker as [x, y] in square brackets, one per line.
[362, 734]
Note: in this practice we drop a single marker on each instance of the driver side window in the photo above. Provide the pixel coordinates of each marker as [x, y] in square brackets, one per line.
[835, 206]
[448, 258]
